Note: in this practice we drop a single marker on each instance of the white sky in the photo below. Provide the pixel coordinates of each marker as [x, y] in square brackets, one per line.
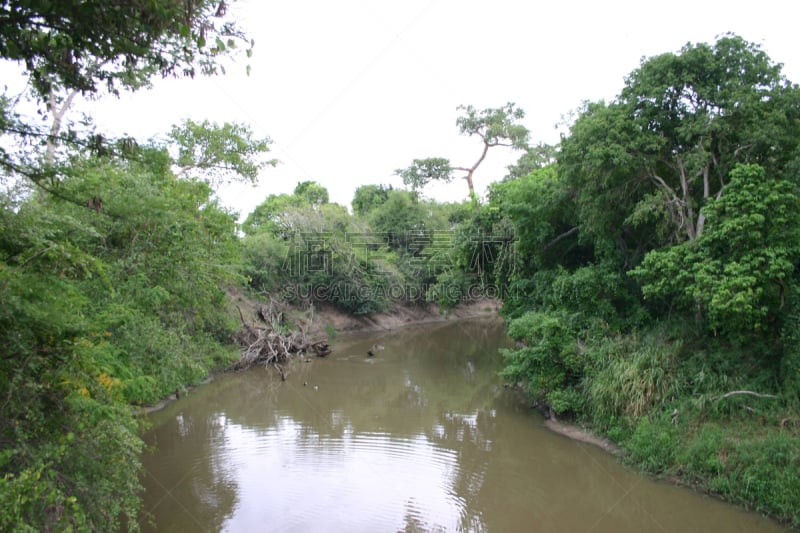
[351, 90]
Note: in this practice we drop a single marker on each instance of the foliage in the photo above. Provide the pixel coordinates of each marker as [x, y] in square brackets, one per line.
[219, 152]
[653, 285]
[270, 215]
[632, 376]
[494, 126]
[116, 300]
[653, 443]
[113, 269]
[535, 157]
[400, 221]
[423, 171]
[80, 45]
[668, 143]
[311, 193]
[309, 250]
[368, 197]
[551, 362]
[735, 273]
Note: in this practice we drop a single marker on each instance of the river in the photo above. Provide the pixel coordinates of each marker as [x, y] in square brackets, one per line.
[421, 437]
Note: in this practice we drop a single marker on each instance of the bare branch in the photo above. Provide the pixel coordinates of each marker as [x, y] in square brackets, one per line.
[744, 392]
[560, 238]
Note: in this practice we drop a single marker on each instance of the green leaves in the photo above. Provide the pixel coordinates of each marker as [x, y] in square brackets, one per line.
[218, 153]
[84, 46]
[737, 272]
[680, 125]
[495, 127]
[550, 362]
[117, 300]
[423, 171]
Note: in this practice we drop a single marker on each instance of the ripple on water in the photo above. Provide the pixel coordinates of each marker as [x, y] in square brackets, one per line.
[291, 478]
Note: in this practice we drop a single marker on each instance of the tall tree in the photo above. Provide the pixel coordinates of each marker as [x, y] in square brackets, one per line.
[494, 126]
[739, 271]
[680, 125]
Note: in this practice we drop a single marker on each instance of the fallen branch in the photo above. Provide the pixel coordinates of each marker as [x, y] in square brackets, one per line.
[747, 392]
[269, 344]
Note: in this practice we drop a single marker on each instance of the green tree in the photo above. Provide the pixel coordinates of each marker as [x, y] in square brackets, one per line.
[740, 271]
[400, 221]
[83, 45]
[112, 273]
[219, 152]
[76, 48]
[494, 126]
[271, 214]
[368, 197]
[312, 193]
[534, 158]
[121, 302]
[666, 146]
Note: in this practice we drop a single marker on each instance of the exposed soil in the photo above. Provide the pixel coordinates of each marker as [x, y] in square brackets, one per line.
[329, 318]
[576, 433]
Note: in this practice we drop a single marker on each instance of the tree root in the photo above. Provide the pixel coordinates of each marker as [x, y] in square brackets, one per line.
[272, 344]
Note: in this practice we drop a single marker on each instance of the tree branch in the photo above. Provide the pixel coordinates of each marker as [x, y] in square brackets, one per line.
[745, 392]
[560, 238]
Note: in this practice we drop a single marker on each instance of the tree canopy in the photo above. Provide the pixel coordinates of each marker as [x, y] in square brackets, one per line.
[85, 45]
[494, 126]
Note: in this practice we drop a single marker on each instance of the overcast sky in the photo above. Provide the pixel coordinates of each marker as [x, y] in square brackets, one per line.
[351, 90]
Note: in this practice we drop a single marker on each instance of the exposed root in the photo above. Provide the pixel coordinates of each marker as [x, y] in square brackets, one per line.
[271, 343]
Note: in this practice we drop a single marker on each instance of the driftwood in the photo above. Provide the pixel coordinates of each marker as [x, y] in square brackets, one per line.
[270, 344]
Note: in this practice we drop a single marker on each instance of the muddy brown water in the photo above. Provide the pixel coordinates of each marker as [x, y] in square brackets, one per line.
[420, 437]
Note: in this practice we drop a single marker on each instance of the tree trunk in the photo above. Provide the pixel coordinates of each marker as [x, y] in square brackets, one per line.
[55, 128]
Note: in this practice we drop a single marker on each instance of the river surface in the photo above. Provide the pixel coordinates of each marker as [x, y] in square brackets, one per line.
[421, 437]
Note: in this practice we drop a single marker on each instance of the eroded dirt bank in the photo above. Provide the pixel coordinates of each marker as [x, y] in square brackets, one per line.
[329, 318]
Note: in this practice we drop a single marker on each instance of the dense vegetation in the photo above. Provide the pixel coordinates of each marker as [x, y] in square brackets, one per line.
[655, 283]
[647, 264]
[114, 255]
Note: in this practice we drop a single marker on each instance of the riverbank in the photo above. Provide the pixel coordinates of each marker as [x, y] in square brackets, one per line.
[580, 434]
[399, 316]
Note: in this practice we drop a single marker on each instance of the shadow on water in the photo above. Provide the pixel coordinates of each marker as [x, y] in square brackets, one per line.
[420, 437]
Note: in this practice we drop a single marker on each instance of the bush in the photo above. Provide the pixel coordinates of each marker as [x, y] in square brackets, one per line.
[550, 362]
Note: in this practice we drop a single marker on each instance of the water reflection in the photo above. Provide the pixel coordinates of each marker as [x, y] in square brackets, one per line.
[421, 437]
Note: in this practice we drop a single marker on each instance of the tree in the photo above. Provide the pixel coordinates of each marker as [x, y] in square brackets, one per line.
[112, 281]
[72, 48]
[79, 45]
[400, 220]
[739, 271]
[666, 146]
[312, 193]
[494, 126]
[534, 158]
[121, 303]
[219, 152]
[368, 197]
[271, 214]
